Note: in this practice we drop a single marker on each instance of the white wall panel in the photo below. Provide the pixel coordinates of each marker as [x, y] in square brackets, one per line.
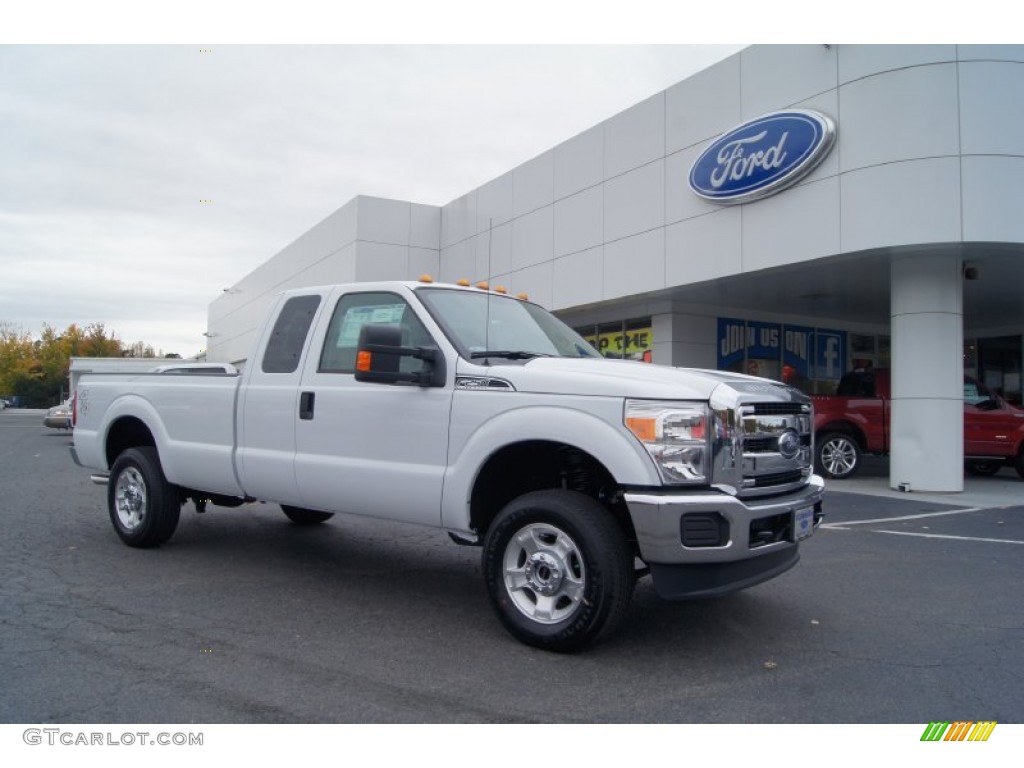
[992, 105]
[703, 248]
[534, 281]
[579, 162]
[703, 106]
[680, 202]
[901, 115]
[425, 226]
[458, 219]
[991, 52]
[494, 202]
[779, 76]
[635, 201]
[579, 221]
[484, 249]
[634, 265]
[578, 279]
[533, 238]
[857, 61]
[533, 184]
[634, 137]
[423, 261]
[993, 198]
[828, 104]
[339, 267]
[383, 221]
[458, 261]
[501, 249]
[901, 204]
[379, 261]
[797, 225]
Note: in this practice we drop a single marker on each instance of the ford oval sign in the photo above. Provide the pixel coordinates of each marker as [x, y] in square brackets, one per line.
[762, 156]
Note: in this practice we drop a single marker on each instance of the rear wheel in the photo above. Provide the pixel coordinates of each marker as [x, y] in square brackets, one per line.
[558, 569]
[144, 507]
[301, 516]
[837, 455]
[1018, 463]
[983, 468]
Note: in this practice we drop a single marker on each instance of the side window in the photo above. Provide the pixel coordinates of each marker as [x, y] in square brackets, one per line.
[289, 335]
[975, 392]
[355, 310]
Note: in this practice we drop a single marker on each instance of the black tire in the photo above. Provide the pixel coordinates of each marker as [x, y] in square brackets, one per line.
[983, 467]
[837, 455]
[1018, 463]
[558, 570]
[144, 507]
[301, 516]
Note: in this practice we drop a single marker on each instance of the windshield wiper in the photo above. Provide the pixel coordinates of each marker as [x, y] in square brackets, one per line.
[508, 354]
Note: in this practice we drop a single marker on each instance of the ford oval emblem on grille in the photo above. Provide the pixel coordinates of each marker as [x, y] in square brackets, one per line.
[763, 156]
[789, 444]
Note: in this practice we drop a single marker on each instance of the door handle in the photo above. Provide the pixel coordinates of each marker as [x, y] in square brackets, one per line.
[306, 402]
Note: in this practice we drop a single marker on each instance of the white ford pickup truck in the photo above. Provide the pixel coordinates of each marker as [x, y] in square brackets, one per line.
[481, 414]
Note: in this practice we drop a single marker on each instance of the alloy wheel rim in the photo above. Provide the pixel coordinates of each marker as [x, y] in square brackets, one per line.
[544, 573]
[130, 498]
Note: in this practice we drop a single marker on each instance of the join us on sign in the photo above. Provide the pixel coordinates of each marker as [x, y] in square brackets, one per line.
[816, 352]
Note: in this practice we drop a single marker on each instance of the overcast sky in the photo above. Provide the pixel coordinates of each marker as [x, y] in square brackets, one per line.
[108, 154]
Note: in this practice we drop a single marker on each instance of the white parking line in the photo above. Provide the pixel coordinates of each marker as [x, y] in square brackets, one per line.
[958, 538]
[843, 526]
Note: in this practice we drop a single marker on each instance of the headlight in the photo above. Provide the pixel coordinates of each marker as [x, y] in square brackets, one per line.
[675, 434]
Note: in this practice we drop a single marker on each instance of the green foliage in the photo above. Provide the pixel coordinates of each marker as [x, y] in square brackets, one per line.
[36, 370]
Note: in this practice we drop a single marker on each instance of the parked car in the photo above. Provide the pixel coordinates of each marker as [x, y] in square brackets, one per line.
[194, 369]
[59, 417]
[855, 421]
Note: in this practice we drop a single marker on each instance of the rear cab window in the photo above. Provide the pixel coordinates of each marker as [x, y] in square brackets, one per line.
[284, 347]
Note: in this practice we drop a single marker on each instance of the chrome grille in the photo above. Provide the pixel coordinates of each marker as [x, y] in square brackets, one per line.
[762, 445]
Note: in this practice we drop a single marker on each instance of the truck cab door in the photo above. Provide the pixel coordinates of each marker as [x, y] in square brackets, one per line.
[991, 428]
[371, 448]
[269, 401]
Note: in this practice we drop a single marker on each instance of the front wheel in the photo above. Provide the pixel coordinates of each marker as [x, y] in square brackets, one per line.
[558, 569]
[144, 507]
[837, 455]
[301, 516]
[983, 467]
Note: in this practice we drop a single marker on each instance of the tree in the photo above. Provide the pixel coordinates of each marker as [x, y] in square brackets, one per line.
[37, 370]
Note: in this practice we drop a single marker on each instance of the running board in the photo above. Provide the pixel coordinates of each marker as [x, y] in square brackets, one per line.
[99, 479]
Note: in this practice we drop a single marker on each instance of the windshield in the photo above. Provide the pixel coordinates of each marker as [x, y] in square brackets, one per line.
[488, 325]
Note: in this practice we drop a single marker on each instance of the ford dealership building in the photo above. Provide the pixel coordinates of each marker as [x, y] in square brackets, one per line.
[792, 211]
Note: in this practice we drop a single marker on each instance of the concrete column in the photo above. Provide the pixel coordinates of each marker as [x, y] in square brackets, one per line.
[684, 340]
[927, 422]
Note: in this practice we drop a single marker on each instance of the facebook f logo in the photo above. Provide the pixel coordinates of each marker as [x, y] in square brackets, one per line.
[831, 355]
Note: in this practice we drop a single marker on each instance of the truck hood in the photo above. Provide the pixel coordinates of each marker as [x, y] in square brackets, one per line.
[600, 377]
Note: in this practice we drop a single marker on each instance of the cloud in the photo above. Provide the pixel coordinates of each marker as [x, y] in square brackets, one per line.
[109, 154]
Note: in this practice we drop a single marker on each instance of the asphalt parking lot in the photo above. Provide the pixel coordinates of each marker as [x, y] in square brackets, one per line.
[902, 610]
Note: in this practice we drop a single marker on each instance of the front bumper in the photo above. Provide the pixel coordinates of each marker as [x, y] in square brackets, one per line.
[736, 562]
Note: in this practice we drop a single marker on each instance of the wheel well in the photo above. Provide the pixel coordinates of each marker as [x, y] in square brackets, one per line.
[844, 428]
[125, 433]
[537, 465]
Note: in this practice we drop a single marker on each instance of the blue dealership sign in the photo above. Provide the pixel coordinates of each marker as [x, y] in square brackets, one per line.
[762, 156]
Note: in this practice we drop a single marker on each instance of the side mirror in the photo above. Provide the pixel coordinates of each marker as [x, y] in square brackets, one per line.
[991, 404]
[379, 353]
